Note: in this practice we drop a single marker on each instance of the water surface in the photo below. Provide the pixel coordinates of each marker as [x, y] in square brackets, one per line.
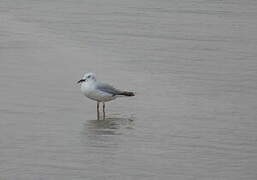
[192, 65]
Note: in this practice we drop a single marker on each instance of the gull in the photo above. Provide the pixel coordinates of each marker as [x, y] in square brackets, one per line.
[100, 92]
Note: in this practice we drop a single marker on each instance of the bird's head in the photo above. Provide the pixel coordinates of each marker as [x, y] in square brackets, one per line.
[87, 77]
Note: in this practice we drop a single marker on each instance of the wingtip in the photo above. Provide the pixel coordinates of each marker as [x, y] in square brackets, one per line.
[126, 93]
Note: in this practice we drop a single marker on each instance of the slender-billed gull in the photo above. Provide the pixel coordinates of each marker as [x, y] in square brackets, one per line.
[100, 92]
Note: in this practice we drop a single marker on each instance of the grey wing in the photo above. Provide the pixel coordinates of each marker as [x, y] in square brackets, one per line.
[108, 88]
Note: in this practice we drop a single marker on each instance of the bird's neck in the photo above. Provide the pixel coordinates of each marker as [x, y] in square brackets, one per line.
[88, 86]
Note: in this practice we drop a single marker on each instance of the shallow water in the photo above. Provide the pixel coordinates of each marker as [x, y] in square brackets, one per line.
[192, 65]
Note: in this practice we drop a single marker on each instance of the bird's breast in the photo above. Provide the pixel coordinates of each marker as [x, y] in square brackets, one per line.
[86, 88]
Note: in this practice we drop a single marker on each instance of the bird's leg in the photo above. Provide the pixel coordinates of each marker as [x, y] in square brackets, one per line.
[98, 113]
[103, 110]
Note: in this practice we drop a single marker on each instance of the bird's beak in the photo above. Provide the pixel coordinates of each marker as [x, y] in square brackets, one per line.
[80, 81]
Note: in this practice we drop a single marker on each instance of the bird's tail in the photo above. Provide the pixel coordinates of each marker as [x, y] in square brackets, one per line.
[127, 93]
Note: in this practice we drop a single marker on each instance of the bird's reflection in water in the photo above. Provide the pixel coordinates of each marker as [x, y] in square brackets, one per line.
[105, 135]
[109, 126]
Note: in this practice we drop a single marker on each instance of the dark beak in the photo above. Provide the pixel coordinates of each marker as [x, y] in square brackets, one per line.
[80, 81]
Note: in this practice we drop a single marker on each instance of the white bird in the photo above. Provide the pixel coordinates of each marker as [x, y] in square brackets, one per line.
[100, 92]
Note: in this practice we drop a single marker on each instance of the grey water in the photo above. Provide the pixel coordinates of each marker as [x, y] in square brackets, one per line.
[192, 64]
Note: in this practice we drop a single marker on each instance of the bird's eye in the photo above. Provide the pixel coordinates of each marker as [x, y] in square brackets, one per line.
[89, 76]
